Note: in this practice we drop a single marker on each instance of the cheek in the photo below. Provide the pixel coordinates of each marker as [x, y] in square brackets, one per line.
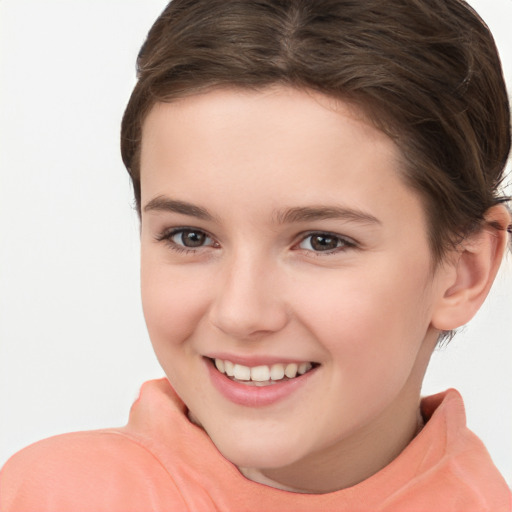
[370, 322]
[372, 342]
[355, 302]
[172, 304]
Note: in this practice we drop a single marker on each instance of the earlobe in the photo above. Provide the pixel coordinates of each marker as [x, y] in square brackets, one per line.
[472, 272]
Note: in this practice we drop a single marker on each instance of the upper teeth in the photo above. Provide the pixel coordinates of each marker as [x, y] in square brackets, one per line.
[262, 373]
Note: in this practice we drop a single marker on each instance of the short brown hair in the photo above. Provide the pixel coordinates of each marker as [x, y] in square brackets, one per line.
[427, 72]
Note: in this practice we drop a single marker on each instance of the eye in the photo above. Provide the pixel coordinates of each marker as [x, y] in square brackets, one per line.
[191, 238]
[325, 242]
[185, 239]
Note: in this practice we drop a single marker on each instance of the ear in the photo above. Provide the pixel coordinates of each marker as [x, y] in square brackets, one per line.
[471, 271]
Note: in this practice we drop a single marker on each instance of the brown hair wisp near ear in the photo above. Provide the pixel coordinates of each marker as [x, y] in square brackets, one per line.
[427, 72]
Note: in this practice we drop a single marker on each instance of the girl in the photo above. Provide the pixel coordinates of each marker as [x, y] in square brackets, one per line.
[318, 190]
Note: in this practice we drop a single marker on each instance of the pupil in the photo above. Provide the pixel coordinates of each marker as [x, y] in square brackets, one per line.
[324, 243]
[192, 238]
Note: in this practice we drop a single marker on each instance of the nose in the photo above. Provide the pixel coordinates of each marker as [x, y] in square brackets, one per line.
[248, 301]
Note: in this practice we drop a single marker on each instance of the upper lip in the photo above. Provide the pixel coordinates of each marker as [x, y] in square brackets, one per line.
[255, 360]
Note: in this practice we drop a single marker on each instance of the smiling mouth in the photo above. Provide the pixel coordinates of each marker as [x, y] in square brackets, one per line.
[262, 375]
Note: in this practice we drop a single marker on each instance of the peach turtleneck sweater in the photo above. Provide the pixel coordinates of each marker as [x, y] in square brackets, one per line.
[162, 462]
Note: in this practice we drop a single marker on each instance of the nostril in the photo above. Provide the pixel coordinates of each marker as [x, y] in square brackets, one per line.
[245, 323]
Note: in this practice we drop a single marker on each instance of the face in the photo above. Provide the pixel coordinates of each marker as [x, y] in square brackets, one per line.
[279, 238]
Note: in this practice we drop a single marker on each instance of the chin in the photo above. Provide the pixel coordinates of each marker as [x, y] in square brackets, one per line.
[256, 452]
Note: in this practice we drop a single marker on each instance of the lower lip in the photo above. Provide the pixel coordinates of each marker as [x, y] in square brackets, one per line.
[255, 396]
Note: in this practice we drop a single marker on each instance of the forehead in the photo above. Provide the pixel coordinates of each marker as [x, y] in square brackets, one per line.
[283, 121]
[279, 144]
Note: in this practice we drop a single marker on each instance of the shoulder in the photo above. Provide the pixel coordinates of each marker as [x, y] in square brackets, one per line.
[158, 461]
[98, 470]
[455, 467]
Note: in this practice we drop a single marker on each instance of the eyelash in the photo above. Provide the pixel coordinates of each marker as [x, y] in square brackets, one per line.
[167, 235]
[345, 242]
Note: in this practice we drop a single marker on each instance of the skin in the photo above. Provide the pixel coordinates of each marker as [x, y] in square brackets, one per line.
[258, 287]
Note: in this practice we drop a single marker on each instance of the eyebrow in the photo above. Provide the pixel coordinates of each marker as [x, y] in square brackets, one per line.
[309, 213]
[165, 204]
[285, 216]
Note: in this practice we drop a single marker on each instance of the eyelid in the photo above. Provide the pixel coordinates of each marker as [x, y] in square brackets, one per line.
[349, 242]
[167, 234]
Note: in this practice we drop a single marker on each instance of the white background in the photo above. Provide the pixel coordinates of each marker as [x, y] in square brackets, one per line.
[73, 345]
